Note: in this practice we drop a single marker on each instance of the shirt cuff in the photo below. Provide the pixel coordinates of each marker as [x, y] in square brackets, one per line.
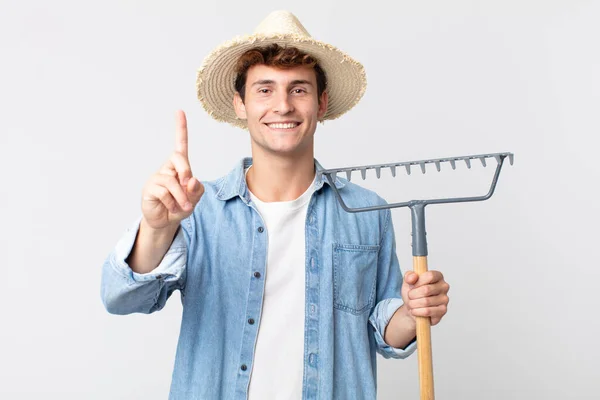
[379, 319]
[170, 267]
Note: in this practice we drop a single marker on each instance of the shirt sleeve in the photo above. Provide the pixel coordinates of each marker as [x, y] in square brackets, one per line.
[383, 312]
[124, 291]
[389, 299]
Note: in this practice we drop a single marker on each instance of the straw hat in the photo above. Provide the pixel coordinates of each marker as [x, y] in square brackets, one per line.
[346, 79]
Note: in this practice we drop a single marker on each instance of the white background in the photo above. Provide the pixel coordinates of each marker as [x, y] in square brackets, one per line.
[88, 92]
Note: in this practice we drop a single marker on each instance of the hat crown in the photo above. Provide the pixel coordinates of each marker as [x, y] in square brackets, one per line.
[281, 23]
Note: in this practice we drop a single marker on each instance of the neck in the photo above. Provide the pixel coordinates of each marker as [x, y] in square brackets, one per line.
[276, 178]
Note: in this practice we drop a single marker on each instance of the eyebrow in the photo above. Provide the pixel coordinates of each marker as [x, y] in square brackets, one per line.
[292, 83]
[301, 82]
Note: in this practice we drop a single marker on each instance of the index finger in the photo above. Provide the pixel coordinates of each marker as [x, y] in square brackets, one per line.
[181, 133]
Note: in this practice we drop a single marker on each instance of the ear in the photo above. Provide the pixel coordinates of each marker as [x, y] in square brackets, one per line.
[238, 105]
[322, 106]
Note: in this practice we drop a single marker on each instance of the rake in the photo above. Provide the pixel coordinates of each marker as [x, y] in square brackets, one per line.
[419, 240]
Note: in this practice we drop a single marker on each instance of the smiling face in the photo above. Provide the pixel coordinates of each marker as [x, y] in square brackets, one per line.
[282, 108]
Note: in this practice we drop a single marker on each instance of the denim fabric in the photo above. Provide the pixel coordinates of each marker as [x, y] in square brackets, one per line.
[218, 260]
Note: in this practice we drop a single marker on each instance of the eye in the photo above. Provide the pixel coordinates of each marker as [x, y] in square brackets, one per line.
[298, 91]
[264, 90]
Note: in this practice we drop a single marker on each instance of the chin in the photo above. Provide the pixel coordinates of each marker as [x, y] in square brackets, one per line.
[281, 149]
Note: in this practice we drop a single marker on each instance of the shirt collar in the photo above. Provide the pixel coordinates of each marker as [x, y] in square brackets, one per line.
[234, 183]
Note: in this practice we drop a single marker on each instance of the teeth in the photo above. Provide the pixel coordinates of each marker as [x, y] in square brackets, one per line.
[283, 126]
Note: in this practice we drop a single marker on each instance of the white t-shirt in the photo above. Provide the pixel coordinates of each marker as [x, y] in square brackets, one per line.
[277, 369]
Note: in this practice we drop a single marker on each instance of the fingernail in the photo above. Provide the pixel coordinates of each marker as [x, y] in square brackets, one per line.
[188, 206]
[185, 181]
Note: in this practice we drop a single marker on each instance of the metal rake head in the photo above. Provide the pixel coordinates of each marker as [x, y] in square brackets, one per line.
[331, 175]
[408, 164]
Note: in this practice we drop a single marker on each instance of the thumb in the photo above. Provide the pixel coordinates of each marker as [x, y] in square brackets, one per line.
[411, 277]
[195, 190]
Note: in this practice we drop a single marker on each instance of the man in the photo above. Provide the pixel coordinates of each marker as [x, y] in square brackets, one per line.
[285, 295]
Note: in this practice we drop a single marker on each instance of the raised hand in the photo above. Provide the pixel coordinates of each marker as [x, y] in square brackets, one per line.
[171, 194]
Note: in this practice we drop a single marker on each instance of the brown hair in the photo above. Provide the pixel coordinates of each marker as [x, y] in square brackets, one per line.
[279, 57]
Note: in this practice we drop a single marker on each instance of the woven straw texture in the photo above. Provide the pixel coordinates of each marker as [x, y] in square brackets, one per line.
[346, 78]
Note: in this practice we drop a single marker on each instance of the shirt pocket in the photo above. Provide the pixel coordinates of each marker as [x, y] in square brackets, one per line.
[354, 277]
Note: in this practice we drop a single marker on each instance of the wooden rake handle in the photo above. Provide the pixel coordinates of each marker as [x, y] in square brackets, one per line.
[424, 341]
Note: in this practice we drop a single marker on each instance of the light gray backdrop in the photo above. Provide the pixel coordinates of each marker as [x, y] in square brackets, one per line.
[88, 92]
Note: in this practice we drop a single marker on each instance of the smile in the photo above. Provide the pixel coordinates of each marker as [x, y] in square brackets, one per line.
[285, 125]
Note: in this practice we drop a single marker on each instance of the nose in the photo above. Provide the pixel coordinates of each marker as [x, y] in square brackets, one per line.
[282, 104]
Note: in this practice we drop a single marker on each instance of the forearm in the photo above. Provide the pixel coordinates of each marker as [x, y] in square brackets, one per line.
[150, 247]
[401, 329]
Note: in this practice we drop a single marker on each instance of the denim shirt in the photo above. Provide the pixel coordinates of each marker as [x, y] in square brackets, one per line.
[218, 262]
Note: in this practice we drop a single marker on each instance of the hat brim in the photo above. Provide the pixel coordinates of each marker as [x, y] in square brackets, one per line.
[346, 78]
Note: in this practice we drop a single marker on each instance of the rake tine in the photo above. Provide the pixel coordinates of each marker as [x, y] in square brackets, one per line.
[499, 157]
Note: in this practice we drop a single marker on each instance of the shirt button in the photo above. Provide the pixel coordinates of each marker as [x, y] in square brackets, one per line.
[257, 274]
[243, 367]
[261, 229]
[251, 321]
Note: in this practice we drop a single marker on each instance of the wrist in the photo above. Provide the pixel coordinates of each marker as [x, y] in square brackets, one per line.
[150, 246]
[405, 318]
[158, 235]
[401, 329]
